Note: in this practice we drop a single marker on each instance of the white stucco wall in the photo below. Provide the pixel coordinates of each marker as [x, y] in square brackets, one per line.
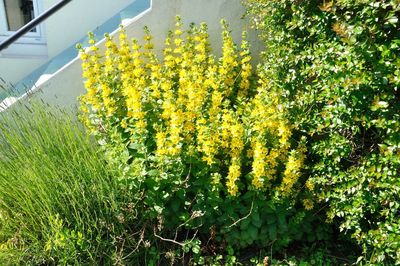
[62, 30]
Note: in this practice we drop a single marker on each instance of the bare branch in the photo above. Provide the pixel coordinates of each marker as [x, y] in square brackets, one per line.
[243, 218]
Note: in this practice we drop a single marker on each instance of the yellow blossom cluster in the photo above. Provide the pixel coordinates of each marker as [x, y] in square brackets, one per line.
[292, 171]
[193, 105]
[246, 67]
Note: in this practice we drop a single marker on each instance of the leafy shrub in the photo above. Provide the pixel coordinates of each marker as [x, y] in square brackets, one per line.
[335, 67]
[59, 202]
[201, 141]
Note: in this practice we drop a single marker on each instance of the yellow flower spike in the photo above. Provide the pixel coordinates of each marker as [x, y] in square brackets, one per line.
[225, 128]
[236, 148]
[161, 139]
[91, 71]
[169, 60]
[259, 164]
[179, 44]
[108, 101]
[155, 78]
[293, 170]
[178, 21]
[133, 80]
[237, 135]
[310, 185]
[246, 68]
[167, 42]
[91, 38]
[148, 46]
[234, 174]
[206, 140]
[124, 50]
[110, 56]
[147, 37]
[229, 61]
[122, 35]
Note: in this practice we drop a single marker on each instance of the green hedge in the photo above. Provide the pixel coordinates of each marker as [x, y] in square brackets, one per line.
[335, 67]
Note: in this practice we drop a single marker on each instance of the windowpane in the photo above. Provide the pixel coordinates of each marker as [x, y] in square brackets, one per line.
[18, 13]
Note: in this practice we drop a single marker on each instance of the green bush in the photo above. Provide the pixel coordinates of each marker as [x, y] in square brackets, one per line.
[59, 201]
[335, 66]
[199, 141]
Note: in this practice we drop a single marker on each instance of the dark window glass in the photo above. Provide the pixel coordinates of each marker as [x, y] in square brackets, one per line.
[18, 13]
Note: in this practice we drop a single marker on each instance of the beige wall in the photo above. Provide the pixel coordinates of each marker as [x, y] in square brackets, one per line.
[77, 18]
[161, 19]
[62, 30]
[65, 86]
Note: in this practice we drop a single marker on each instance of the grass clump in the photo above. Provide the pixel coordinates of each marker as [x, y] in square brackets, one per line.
[58, 199]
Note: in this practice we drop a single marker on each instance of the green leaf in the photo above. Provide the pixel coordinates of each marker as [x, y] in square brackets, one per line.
[257, 222]
[153, 172]
[135, 146]
[272, 231]
[175, 205]
[392, 20]
[244, 224]
[196, 249]
[253, 232]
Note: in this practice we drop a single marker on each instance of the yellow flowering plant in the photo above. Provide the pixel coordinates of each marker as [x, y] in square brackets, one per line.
[194, 131]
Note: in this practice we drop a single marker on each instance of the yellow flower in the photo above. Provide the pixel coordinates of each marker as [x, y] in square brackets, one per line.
[178, 41]
[310, 185]
[308, 204]
[124, 124]
[83, 56]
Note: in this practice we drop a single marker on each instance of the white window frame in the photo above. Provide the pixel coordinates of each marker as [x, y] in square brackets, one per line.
[32, 44]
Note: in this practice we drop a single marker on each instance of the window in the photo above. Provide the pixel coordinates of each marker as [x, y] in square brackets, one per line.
[14, 14]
